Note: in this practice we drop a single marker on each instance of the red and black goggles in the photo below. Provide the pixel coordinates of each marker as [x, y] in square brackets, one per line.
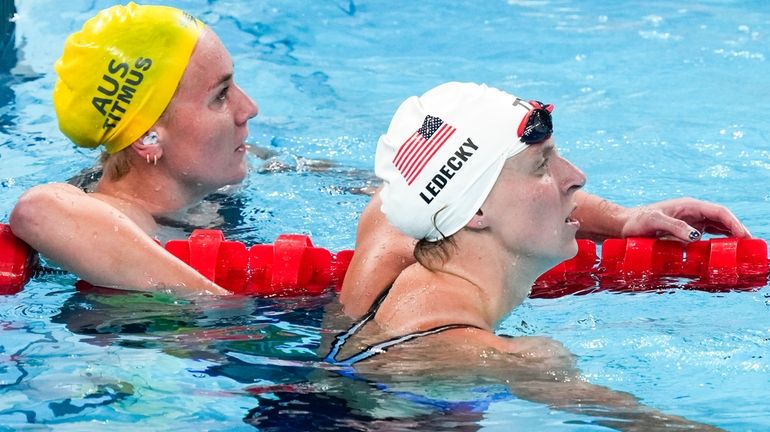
[536, 126]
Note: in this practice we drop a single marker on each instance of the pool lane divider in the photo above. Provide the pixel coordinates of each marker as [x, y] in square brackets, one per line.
[293, 266]
[17, 262]
[649, 264]
[289, 266]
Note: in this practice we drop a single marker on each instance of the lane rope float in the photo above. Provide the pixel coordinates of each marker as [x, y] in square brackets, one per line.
[293, 266]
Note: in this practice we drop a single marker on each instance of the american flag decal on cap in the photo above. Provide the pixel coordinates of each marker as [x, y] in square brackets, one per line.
[420, 147]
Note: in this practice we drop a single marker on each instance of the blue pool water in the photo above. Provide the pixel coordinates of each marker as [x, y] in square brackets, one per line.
[654, 100]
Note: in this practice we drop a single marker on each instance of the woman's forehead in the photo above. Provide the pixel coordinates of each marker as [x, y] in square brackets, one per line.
[539, 149]
[209, 62]
[533, 154]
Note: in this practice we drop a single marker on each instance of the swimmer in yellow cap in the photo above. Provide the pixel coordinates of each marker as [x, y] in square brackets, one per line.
[153, 86]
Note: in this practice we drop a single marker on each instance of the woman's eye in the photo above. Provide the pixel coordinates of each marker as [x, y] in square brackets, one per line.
[544, 164]
[223, 94]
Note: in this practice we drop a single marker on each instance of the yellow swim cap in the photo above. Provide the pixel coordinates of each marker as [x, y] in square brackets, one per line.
[120, 71]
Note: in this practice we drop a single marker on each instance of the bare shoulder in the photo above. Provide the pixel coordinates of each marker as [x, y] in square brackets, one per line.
[52, 189]
[44, 205]
[40, 200]
[533, 347]
[382, 252]
[532, 353]
[479, 352]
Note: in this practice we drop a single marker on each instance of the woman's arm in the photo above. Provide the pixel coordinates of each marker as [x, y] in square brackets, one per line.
[682, 218]
[542, 370]
[99, 243]
[382, 252]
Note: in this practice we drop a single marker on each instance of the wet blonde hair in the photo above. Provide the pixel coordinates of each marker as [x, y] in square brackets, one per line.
[116, 165]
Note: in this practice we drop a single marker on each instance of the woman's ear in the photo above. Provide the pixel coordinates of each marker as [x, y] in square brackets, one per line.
[149, 147]
[478, 221]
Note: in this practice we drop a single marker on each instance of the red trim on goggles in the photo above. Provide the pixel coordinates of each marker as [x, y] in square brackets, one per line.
[536, 126]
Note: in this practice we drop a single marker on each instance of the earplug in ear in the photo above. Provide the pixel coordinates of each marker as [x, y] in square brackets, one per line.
[150, 139]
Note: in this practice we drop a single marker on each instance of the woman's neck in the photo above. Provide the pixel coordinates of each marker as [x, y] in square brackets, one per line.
[156, 193]
[504, 279]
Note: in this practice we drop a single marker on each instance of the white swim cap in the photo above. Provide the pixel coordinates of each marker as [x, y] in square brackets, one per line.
[443, 153]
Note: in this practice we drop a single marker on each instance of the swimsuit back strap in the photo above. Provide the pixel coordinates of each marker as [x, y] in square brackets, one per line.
[341, 338]
[381, 347]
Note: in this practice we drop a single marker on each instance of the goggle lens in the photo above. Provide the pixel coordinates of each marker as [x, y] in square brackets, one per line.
[537, 125]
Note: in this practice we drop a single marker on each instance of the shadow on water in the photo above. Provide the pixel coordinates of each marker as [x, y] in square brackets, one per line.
[7, 36]
[7, 63]
[10, 74]
[270, 346]
[327, 412]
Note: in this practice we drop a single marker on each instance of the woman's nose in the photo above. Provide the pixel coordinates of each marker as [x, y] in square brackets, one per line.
[571, 177]
[248, 108]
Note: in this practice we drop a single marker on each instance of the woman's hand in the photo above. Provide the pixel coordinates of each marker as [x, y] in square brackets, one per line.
[685, 219]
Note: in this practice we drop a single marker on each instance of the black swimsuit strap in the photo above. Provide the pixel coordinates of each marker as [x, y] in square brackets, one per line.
[381, 347]
[343, 337]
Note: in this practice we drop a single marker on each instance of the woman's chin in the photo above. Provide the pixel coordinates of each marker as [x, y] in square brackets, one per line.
[569, 251]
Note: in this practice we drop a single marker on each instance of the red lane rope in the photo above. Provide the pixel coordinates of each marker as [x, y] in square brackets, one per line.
[292, 265]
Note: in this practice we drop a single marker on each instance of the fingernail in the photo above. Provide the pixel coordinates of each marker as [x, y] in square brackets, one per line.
[694, 235]
[748, 233]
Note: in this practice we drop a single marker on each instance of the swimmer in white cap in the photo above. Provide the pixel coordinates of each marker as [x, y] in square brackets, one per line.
[471, 173]
[440, 160]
